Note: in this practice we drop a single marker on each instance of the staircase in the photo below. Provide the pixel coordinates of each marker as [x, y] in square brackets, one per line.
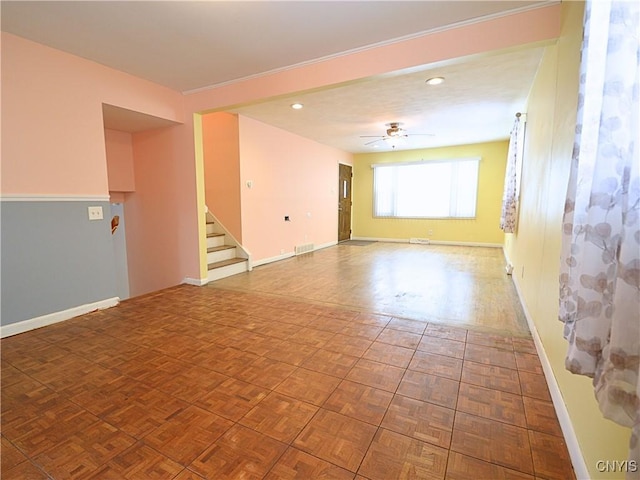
[223, 258]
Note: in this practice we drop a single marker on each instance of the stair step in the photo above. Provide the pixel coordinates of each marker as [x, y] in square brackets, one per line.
[215, 240]
[221, 258]
[211, 228]
[226, 268]
[219, 248]
[224, 263]
[218, 253]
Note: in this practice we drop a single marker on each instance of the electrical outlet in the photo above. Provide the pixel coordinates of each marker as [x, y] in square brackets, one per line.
[431, 233]
[95, 213]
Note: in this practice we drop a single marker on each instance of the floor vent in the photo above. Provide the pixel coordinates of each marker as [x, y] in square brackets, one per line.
[306, 248]
[422, 241]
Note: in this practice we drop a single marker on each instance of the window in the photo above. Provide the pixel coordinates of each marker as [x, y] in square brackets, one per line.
[426, 189]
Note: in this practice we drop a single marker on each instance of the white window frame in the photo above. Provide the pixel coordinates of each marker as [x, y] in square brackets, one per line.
[379, 211]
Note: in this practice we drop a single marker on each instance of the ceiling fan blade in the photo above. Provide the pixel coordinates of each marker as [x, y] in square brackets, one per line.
[394, 134]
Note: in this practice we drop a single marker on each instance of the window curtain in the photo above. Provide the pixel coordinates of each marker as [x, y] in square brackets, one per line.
[600, 265]
[509, 213]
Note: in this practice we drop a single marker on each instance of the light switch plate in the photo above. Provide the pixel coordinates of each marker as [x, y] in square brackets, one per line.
[95, 213]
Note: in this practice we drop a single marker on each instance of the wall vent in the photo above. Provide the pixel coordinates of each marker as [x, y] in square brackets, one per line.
[422, 241]
[302, 249]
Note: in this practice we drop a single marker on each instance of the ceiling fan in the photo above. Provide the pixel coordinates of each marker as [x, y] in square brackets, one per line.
[394, 132]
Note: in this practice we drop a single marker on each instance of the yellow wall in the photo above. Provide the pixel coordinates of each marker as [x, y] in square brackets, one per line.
[535, 249]
[484, 229]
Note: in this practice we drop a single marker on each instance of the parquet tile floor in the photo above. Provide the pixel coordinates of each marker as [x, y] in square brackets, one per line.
[217, 382]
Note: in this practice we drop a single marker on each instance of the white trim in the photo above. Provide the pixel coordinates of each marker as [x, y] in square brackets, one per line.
[325, 245]
[284, 256]
[380, 239]
[466, 244]
[51, 318]
[277, 258]
[569, 434]
[18, 197]
[425, 162]
[198, 282]
[431, 242]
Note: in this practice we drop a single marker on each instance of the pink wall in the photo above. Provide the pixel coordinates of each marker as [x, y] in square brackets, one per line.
[53, 140]
[119, 151]
[159, 212]
[53, 143]
[539, 25]
[220, 138]
[52, 128]
[284, 166]
[292, 176]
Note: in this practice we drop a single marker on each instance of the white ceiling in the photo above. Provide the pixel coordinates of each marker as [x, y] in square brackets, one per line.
[187, 45]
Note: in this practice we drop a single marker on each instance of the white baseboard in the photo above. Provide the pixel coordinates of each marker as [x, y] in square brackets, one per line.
[577, 459]
[377, 239]
[467, 244]
[198, 282]
[325, 245]
[431, 242]
[264, 261]
[51, 318]
[284, 256]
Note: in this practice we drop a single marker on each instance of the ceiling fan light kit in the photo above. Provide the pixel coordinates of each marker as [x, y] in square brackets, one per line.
[394, 129]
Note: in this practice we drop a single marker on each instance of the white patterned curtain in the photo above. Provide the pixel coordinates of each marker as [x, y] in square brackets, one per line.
[600, 267]
[509, 213]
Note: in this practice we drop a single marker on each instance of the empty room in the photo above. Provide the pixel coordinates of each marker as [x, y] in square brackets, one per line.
[319, 239]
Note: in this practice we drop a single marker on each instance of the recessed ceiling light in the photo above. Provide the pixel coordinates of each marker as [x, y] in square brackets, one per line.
[296, 106]
[435, 81]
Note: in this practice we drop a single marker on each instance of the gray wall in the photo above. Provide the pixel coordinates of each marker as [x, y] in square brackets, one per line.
[53, 257]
